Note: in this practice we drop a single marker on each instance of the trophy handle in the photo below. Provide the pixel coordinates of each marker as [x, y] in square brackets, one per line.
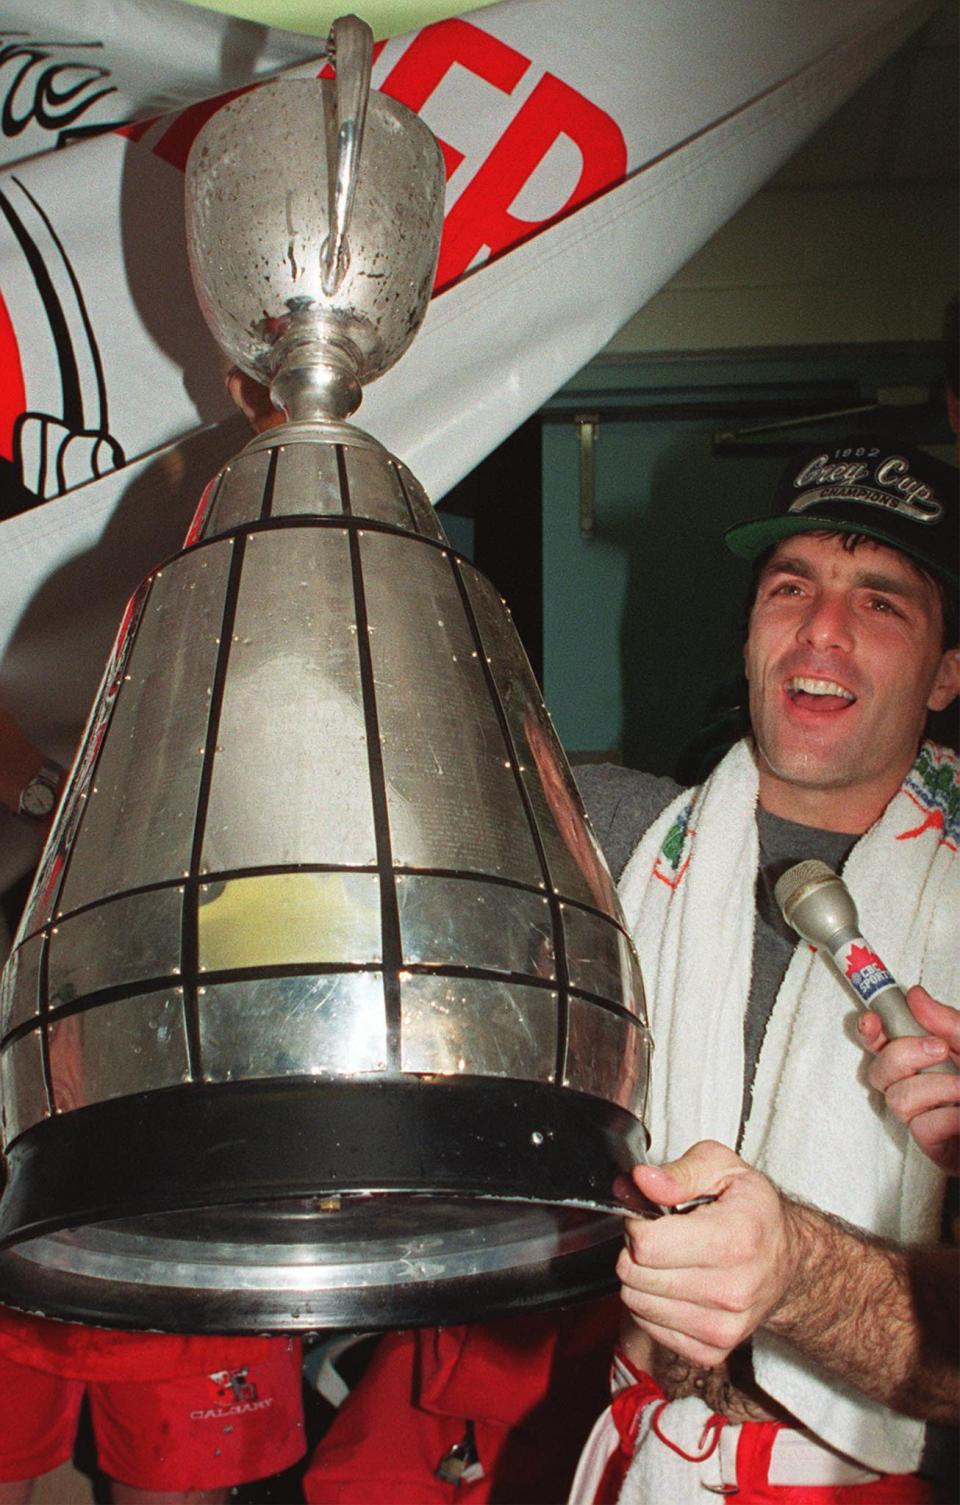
[350, 46]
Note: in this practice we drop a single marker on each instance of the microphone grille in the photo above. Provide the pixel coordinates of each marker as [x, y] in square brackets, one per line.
[792, 883]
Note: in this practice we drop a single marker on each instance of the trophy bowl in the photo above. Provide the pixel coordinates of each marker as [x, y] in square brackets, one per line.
[288, 249]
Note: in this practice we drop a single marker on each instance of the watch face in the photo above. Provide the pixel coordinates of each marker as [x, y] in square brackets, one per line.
[38, 799]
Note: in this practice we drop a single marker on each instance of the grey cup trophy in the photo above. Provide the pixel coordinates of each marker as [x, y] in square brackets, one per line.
[322, 1012]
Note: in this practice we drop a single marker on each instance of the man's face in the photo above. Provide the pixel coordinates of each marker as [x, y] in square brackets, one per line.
[843, 659]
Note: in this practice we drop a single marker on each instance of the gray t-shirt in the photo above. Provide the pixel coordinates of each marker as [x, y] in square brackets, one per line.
[623, 804]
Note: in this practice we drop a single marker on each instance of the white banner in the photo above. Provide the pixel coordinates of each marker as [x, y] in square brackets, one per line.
[69, 68]
[586, 163]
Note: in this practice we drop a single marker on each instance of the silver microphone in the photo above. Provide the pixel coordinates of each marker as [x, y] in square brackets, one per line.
[819, 907]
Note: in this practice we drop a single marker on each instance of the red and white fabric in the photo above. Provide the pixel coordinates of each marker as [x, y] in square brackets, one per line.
[685, 1452]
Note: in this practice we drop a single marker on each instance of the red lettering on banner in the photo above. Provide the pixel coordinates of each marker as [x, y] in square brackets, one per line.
[481, 215]
[13, 397]
[431, 55]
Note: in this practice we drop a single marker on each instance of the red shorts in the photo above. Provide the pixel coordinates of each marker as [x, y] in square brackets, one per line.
[200, 1432]
[520, 1392]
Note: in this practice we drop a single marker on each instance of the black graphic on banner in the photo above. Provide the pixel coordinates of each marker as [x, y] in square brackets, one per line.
[55, 451]
[41, 84]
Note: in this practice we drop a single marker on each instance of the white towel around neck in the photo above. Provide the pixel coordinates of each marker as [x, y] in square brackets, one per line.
[815, 1128]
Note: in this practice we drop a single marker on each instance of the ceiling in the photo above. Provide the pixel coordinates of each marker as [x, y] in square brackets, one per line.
[900, 127]
[855, 241]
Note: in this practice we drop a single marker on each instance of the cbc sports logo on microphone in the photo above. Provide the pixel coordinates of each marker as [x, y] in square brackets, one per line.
[864, 971]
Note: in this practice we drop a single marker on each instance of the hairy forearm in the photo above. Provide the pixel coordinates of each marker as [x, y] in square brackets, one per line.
[881, 1316]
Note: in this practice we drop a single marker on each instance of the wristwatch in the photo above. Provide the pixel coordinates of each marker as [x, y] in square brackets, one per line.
[38, 798]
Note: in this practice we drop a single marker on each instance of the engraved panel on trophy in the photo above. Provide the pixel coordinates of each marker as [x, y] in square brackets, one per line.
[576, 866]
[299, 790]
[307, 481]
[123, 940]
[239, 497]
[20, 990]
[135, 1045]
[425, 517]
[374, 488]
[293, 1026]
[23, 1095]
[452, 795]
[276, 919]
[606, 1054]
[598, 955]
[138, 825]
[467, 1026]
[462, 922]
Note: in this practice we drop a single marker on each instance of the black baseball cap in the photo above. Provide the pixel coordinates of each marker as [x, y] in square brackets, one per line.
[899, 495]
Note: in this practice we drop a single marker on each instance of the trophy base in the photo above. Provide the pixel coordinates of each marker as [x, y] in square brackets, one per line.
[296, 1206]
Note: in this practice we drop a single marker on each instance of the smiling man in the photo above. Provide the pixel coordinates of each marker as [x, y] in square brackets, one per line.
[788, 1340]
[844, 660]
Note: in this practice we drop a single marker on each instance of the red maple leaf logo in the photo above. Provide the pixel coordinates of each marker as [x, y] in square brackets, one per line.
[859, 957]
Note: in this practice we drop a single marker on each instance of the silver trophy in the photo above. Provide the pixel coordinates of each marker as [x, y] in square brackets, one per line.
[322, 1012]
